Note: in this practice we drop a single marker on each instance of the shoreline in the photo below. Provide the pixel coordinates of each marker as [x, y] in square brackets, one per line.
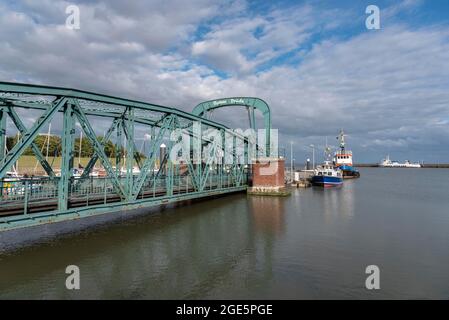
[428, 165]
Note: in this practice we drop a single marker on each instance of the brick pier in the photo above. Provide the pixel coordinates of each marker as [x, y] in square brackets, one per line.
[268, 177]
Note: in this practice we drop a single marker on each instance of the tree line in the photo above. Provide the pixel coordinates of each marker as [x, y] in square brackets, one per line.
[55, 146]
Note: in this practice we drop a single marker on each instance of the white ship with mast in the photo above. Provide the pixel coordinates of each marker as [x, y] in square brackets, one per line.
[387, 163]
[343, 159]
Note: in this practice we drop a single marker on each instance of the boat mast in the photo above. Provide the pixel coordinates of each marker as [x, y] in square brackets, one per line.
[341, 138]
[327, 151]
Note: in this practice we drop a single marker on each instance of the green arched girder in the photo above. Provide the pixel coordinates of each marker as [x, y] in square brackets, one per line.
[254, 103]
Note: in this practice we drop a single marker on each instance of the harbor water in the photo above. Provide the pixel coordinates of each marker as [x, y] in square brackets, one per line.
[315, 244]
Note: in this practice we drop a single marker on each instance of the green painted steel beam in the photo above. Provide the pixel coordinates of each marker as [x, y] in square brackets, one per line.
[130, 148]
[85, 95]
[130, 139]
[151, 159]
[209, 161]
[3, 116]
[90, 165]
[98, 148]
[68, 133]
[118, 149]
[129, 188]
[169, 177]
[190, 166]
[103, 114]
[254, 103]
[28, 138]
[22, 129]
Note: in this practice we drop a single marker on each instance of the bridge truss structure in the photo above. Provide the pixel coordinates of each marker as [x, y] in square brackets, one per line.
[60, 195]
[252, 104]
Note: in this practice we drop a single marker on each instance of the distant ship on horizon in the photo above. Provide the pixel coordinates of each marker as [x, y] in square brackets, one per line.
[387, 163]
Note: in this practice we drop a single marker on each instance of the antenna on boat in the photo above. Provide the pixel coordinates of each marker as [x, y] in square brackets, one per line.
[341, 138]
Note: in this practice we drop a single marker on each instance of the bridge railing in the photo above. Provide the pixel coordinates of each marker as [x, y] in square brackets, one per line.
[26, 196]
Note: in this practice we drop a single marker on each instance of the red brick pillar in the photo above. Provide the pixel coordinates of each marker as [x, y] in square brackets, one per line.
[268, 176]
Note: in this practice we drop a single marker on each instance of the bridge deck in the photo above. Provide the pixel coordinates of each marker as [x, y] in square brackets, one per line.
[25, 200]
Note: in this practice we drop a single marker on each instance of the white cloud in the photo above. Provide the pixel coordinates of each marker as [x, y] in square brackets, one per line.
[239, 45]
[387, 88]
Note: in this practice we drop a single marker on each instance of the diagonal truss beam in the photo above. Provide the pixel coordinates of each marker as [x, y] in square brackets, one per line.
[151, 159]
[187, 158]
[209, 161]
[28, 138]
[90, 165]
[98, 148]
[130, 140]
[21, 127]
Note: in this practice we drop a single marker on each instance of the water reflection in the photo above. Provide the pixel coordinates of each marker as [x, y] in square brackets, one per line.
[268, 214]
[185, 252]
[337, 202]
[347, 197]
[314, 244]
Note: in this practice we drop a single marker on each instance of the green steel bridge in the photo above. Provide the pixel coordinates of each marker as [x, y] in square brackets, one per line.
[214, 159]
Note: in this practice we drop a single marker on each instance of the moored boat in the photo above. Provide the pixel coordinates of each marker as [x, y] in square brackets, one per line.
[343, 159]
[326, 175]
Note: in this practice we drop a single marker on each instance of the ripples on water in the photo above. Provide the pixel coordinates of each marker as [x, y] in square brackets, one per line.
[314, 244]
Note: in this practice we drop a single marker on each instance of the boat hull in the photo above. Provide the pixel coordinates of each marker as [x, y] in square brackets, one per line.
[349, 172]
[327, 181]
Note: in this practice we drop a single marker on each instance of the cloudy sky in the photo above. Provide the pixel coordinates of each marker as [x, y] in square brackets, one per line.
[314, 62]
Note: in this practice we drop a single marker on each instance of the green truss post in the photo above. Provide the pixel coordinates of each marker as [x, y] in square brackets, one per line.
[129, 125]
[2, 132]
[128, 139]
[199, 145]
[169, 177]
[67, 157]
[118, 149]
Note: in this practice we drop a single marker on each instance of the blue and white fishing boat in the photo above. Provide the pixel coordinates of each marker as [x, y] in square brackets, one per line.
[326, 175]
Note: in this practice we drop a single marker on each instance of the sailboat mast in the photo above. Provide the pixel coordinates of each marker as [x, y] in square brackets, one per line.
[48, 140]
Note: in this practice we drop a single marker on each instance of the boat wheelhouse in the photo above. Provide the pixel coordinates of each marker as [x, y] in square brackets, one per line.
[326, 175]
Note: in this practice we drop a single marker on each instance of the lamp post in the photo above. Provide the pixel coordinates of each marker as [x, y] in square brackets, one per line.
[313, 155]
